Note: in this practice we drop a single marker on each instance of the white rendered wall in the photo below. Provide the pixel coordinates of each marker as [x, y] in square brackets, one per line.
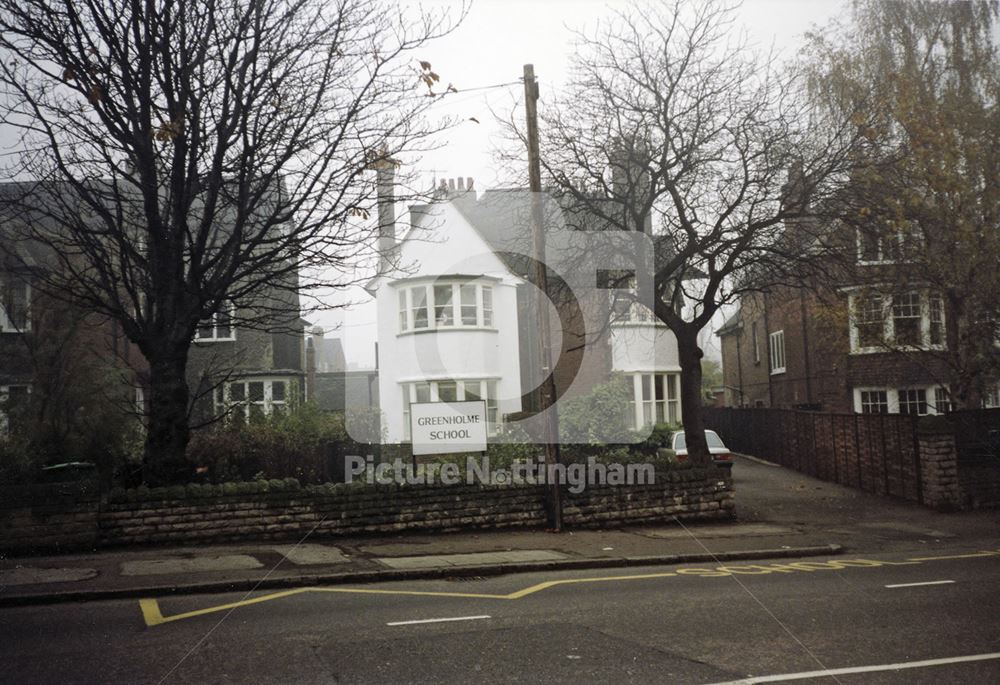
[449, 245]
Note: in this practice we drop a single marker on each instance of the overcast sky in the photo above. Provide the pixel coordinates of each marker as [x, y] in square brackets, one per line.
[490, 47]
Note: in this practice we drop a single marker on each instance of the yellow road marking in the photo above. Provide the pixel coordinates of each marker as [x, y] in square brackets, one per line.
[985, 553]
[153, 616]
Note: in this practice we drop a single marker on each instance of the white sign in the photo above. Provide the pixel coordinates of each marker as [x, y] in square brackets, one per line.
[446, 427]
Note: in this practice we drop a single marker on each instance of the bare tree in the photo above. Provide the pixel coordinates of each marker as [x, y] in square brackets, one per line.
[673, 126]
[924, 202]
[180, 155]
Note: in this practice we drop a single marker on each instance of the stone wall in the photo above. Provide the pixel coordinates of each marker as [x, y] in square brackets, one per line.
[49, 516]
[282, 510]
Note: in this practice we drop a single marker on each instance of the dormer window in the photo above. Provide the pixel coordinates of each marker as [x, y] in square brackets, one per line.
[219, 326]
[445, 305]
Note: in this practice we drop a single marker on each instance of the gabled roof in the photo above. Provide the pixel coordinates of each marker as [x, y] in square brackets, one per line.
[732, 324]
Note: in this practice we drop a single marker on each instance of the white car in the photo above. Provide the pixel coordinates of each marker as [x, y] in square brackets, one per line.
[721, 455]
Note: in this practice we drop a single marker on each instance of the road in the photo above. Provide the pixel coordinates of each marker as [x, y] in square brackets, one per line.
[685, 624]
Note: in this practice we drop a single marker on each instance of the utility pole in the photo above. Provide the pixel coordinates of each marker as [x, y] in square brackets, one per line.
[547, 396]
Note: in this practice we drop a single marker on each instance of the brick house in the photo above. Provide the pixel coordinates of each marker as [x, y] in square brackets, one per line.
[869, 344]
[248, 357]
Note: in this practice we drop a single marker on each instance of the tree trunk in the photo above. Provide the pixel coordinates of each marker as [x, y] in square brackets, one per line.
[691, 400]
[168, 431]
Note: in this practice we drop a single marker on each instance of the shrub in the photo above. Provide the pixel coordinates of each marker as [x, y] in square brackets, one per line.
[290, 445]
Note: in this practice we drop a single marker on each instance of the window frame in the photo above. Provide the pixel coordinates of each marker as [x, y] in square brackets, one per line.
[656, 395]
[444, 317]
[7, 323]
[935, 399]
[4, 398]
[225, 405]
[885, 253]
[932, 317]
[215, 326]
[776, 351]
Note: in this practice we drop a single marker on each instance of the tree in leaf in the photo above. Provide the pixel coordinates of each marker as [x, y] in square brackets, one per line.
[921, 80]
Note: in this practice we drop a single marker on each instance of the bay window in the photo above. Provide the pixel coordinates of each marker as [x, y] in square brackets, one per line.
[252, 399]
[911, 319]
[458, 304]
[656, 399]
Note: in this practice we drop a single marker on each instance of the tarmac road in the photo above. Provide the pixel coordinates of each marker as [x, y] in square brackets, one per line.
[666, 624]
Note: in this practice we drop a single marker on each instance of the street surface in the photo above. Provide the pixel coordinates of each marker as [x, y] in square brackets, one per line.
[692, 623]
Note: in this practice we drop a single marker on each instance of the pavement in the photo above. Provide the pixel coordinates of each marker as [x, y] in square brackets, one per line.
[779, 514]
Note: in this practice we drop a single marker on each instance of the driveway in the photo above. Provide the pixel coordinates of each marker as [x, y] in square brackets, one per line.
[832, 513]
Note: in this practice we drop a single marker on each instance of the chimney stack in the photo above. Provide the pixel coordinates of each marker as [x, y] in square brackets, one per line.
[386, 193]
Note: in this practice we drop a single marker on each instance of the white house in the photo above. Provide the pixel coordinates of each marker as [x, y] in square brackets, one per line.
[455, 320]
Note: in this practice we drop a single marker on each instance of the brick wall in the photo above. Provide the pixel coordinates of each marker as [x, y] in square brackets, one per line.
[897, 455]
[282, 510]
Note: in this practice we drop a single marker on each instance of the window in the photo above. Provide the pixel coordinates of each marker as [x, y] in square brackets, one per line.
[219, 326]
[874, 402]
[447, 390]
[13, 399]
[942, 400]
[906, 319]
[777, 349]
[454, 305]
[655, 399]
[909, 319]
[625, 306]
[15, 305]
[886, 246]
[404, 318]
[991, 398]
[912, 401]
[756, 344]
[252, 399]
[936, 317]
[870, 321]
[915, 401]
[444, 309]
[418, 307]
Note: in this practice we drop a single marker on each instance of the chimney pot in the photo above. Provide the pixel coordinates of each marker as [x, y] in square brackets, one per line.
[468, 183]
[451, 184]
[461, 183]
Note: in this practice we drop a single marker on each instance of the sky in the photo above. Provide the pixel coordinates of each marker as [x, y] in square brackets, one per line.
[490, 47]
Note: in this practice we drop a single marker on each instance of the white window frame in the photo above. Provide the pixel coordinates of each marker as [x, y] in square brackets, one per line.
[485, 300]
[903, 239]
[776, 351]
[648, 405]
[756, 342]
[487, 392]
[926, 308]
[936, 399]
[6, 322]
[213, 323]
[4, 396]
[224, 401]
